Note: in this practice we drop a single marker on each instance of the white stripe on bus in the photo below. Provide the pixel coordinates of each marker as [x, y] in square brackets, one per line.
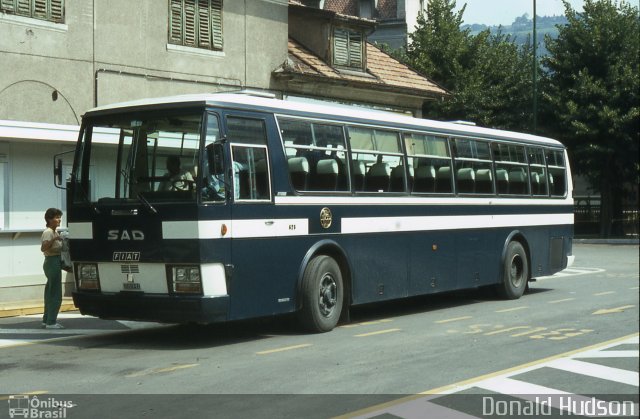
[450, 222]
[290, 227]
[81, 230]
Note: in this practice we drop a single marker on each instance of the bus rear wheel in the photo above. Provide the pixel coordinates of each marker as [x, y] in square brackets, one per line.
[515, 272]
[322, 294]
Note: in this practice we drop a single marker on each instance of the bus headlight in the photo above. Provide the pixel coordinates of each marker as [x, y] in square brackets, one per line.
[186, 279]
[87, 276]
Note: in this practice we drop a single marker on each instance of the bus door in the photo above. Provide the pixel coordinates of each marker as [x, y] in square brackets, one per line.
[255, 287]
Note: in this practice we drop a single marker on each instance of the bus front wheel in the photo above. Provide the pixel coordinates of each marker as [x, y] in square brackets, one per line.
[322, 294]
[515, 272]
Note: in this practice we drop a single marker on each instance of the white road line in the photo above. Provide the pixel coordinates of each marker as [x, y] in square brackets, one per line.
[506, 385]
[608, 354]
[573, 271]
[420, 409]
[595, 370]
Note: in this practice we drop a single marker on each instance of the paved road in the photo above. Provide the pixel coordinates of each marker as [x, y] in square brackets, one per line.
[575, 333]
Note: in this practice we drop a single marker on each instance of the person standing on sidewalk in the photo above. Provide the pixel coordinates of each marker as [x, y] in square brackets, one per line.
[51, 247]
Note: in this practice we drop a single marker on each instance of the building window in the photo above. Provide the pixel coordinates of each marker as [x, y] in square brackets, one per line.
[196, 23]
[348, 48]
[49, 10]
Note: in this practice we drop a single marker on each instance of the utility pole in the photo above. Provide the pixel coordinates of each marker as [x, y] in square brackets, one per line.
[535, 72]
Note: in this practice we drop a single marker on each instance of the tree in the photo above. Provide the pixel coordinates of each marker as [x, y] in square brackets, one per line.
[487, 74]
[591, 96]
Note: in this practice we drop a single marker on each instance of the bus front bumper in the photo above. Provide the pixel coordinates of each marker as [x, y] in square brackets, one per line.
[153, 307]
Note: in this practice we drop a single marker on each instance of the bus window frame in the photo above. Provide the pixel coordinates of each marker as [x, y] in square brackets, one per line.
[455, 170]
[314, 148]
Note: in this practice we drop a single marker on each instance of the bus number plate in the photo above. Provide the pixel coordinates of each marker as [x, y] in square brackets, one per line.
[133, 286]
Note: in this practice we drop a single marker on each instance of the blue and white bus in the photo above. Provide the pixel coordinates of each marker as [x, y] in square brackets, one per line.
[210, 208]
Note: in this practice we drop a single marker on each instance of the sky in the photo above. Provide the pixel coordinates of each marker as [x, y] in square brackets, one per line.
[503, 12]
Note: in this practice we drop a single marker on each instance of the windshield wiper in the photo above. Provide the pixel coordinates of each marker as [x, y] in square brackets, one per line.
[147, 204]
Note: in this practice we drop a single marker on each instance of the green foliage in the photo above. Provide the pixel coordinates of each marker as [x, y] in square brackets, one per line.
[591, 95]
[488, 75]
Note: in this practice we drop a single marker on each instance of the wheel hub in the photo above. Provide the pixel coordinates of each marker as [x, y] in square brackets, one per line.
[328, 294]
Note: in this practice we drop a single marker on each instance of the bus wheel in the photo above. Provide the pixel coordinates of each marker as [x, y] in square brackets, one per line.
[323, 294]
[515, 273]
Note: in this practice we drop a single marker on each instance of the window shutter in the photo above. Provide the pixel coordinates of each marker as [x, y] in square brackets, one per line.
[204, 24]
[39, 9]
[355, 49]
[175, 22]
[340, 47]
[190, 29]
[23, 8]
[57, 11]
[8, 6]
[216, 24]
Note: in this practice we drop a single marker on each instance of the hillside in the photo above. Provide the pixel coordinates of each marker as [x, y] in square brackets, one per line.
[522, 28]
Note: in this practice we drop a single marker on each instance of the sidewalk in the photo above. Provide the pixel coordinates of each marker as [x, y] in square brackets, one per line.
[21, 308]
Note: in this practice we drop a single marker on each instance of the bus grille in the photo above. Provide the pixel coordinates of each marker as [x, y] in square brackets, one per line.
[130, 269]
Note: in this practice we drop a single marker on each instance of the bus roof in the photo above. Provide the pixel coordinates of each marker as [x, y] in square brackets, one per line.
[319, 110]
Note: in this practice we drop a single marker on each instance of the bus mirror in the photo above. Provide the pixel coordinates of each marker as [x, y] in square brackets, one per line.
[57, 173]
[216, 159]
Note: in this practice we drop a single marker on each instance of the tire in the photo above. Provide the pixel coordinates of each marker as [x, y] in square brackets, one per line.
[322, 295]
[515, 272]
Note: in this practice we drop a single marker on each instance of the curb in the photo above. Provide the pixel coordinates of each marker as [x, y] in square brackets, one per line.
[23, 308]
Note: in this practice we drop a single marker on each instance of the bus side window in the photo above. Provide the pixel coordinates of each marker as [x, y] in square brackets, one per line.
[557, 173]
[511, 169]
[538, 172]
[474, 167]
[214, 184]
[316, 154]
[379, 153]
[430, 163]
[249, 155]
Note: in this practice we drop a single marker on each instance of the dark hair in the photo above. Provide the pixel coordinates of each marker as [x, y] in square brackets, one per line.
[52, 213]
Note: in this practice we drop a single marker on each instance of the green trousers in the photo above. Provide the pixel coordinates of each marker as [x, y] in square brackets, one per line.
[53, 290]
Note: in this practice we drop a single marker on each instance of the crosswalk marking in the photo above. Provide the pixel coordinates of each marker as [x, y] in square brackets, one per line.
[506, 385]
[510, 383]
[596, 370]
[573, 271]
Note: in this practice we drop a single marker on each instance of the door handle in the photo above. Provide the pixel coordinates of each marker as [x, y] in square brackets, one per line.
[269, 223]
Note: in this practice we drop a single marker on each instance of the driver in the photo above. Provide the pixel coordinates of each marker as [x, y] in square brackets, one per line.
[177, 178]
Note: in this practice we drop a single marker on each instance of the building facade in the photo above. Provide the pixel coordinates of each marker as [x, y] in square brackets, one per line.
[63, 57]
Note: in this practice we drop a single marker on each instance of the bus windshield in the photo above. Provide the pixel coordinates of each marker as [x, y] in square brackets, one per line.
[154, 157]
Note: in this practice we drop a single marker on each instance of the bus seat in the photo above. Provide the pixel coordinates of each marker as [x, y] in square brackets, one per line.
[412, 176]
[397, 178]
[502, 181]
[484, 181]
[299, 172]
[378, 177]
[552, 187]
[543, 184]
[425, 179]
[443, 179]
[326, 177]
[535, 183]
[358, 175]
[517, 182]
[466, 179]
